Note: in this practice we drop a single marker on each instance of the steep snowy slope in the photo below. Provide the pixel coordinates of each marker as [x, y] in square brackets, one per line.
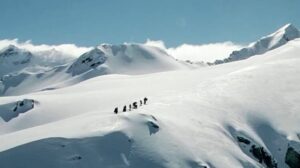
[240, 114]
[267, 43]
[104, 59]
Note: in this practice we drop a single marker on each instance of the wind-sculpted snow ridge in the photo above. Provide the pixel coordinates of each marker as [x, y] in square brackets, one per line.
[270, 42]
[127, 59]
[240, 114]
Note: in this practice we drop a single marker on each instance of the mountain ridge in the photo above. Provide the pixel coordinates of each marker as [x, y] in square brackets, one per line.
[127, 59]
[267, 43]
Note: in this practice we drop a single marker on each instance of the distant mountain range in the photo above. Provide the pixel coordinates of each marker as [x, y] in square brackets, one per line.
[21, 71]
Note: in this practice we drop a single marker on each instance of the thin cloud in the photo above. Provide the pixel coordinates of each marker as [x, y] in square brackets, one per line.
[198, 53]
[156, 43]
[67, 49]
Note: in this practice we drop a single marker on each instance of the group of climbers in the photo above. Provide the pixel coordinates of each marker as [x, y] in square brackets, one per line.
[132, 106]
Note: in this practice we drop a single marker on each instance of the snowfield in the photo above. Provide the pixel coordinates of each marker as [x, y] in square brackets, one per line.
[238, 114]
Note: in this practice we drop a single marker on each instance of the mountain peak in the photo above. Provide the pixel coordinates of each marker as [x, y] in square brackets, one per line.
[9, 50]
[288, 26]
[13, 59]
[95, 50]
[288, 31]
[15, 54]
[11, 46]
[280, 37]
[12, 50]
[87, 61]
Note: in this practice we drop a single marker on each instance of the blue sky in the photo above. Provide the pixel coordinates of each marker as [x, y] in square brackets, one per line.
[91, 22]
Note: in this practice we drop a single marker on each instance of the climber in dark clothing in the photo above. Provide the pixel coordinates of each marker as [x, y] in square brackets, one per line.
[134, 105]
[145, 100]
[124, 108]
[116, 110]
[141, 102]
[129, 107]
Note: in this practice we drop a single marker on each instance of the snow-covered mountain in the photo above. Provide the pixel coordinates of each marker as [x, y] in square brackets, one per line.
[231, 115]
[127, 59]
[267, 43]
[13, 59]
[88, 61]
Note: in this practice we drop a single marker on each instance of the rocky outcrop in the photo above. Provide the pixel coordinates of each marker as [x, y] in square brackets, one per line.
[24, 105]
[292, 158]
[263, 156]
[256, 151]
[87, 61]
[12, 110]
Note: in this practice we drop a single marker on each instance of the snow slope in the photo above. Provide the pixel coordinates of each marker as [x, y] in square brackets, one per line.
[240, 114]
[267, 43]
[129, 59]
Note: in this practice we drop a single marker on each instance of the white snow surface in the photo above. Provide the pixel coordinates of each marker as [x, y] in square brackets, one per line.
[199, 112]
[280, 37]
